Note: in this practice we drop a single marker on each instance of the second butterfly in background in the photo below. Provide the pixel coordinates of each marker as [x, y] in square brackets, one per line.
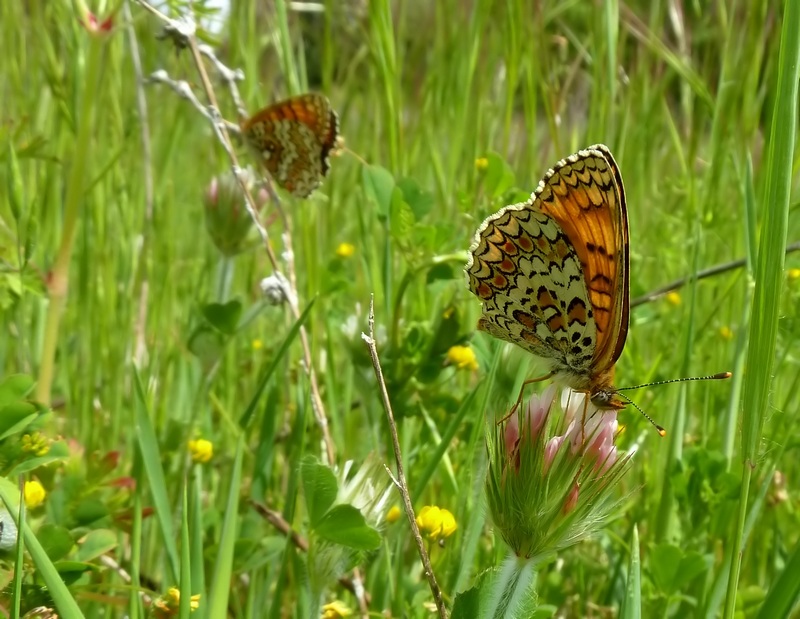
[294, 139]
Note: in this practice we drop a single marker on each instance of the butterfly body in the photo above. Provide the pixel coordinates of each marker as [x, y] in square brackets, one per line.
[552, 272]
[294, 139]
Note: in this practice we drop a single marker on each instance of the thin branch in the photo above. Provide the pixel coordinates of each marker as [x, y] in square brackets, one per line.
[711, 271]
[183, 30]
[400, 481]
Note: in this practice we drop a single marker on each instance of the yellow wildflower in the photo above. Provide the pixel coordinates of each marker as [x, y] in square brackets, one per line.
[335, 610]
[674, 298]
[36, 444]
[169, 603]
[435, 522]
[481, 164]
[463, 357]
[345, 250]
[257, 344]
[726, 333]
[794, 273]
[201, 449]
[34, 494]
[393, 515]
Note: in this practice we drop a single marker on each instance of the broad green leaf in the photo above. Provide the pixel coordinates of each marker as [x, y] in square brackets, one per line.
[402, 220]
[419, 200]
[499, 176]
[89, 511]
[345, 525]
[96, 543]
[224, 317]
[71, 571]
[56, 541]
[15, 387]
[16, 417]
[379, 186]
[319, 488]
[665, 562]
[206, 344]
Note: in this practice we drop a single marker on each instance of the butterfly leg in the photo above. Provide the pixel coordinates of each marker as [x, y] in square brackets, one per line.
[518, 403]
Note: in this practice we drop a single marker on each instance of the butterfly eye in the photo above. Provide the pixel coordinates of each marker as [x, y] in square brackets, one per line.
[601, 398]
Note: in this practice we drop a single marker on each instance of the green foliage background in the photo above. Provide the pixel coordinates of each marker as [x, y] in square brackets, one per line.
[683, 94]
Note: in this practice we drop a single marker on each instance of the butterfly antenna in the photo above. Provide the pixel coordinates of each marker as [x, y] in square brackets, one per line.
[661, 431]
[719, 376]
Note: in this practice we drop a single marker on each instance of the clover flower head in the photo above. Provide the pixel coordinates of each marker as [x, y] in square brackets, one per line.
[552, 472]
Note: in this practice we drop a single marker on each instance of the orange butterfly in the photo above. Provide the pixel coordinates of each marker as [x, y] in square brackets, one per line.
[553, 273]
[294, 139]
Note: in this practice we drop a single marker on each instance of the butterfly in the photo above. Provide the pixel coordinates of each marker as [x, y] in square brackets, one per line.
[553, 273]
[294, 139]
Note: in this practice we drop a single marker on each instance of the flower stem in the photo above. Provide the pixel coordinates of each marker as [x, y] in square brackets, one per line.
[513, 588]
[58, 280]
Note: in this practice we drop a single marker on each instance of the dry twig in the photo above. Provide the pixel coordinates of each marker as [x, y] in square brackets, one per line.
[400, 481]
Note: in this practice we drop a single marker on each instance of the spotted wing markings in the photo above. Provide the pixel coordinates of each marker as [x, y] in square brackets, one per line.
[294, 139]
[584, 194]
[528, 275]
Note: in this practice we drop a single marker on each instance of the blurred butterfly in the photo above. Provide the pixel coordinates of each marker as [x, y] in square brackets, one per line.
[294, 139]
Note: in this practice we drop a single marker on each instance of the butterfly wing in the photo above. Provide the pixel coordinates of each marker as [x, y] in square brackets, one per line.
[294, 139]
[552, 272]
[528, 275]
[585, 195]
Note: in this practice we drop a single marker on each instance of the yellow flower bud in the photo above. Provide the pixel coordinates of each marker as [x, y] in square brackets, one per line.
[335, 610]
[393, 515]
[345, 250]
[202, 450]
[463, 357]
[34, 494]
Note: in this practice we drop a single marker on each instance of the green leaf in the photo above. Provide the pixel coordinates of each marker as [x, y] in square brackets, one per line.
[499, 176]
[345, 525]
[206, 344]
[442, 271]
[14, 183]
[89, 511]
[224, 317]
[467, 604]
[692, 565]
[319, 488]
[419, 200]
[379, 186]
[151, 458]
[58, 452]
[631, 607]
[665, 561]
[15, 387]
[96, 543]
[220, 590]
[56, 541]
[16, 417]
[71, 571]
[402, 220]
